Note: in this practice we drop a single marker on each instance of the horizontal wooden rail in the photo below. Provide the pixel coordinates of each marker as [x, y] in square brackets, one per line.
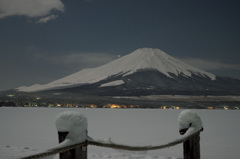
[110, 145]
[72, 127]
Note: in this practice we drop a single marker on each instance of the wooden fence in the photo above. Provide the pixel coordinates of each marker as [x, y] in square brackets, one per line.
[191, 147]
[78, 150]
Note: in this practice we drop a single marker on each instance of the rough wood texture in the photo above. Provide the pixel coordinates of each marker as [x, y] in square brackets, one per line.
[78, 153]
[191, 147]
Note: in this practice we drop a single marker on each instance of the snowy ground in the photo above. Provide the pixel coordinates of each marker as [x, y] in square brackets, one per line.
[27, 131]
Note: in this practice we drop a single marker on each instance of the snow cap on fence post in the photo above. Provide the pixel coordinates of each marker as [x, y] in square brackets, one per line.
[189, 122]
[73, 122]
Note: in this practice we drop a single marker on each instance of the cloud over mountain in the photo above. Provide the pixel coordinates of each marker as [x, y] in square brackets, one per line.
[31, 8]
[210, 65]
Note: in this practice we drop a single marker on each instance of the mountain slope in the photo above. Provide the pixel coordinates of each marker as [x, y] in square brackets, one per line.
[119, 70]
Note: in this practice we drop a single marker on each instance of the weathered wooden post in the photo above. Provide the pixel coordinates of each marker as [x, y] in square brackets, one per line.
[189, 123]
[191, 147]
[78, 153]
[72, 129]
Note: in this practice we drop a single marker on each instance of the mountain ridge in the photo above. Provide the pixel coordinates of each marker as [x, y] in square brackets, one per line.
[139, 60]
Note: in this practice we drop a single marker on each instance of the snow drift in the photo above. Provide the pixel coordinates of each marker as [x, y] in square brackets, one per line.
[189, 122]
[74, 123]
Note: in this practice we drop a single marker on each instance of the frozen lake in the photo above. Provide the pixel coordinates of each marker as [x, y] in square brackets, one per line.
[27, 131]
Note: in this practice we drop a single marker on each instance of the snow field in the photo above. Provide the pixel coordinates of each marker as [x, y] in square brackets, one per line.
[27, 131]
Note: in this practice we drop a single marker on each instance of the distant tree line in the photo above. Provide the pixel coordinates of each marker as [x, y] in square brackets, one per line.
[7, 104]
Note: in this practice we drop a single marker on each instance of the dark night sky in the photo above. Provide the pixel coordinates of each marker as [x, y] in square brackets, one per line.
[43, 40]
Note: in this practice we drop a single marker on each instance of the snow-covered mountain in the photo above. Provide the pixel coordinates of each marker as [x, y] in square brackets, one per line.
[144, 70]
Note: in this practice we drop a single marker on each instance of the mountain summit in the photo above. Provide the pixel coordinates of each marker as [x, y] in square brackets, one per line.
[144, 71]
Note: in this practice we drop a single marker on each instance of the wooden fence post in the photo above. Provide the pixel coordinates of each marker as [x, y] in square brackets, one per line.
[188, 119]
[74, 124]
[78, 153]
[191, 147]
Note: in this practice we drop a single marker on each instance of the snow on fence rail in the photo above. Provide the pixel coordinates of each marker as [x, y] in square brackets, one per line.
[73, 138]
